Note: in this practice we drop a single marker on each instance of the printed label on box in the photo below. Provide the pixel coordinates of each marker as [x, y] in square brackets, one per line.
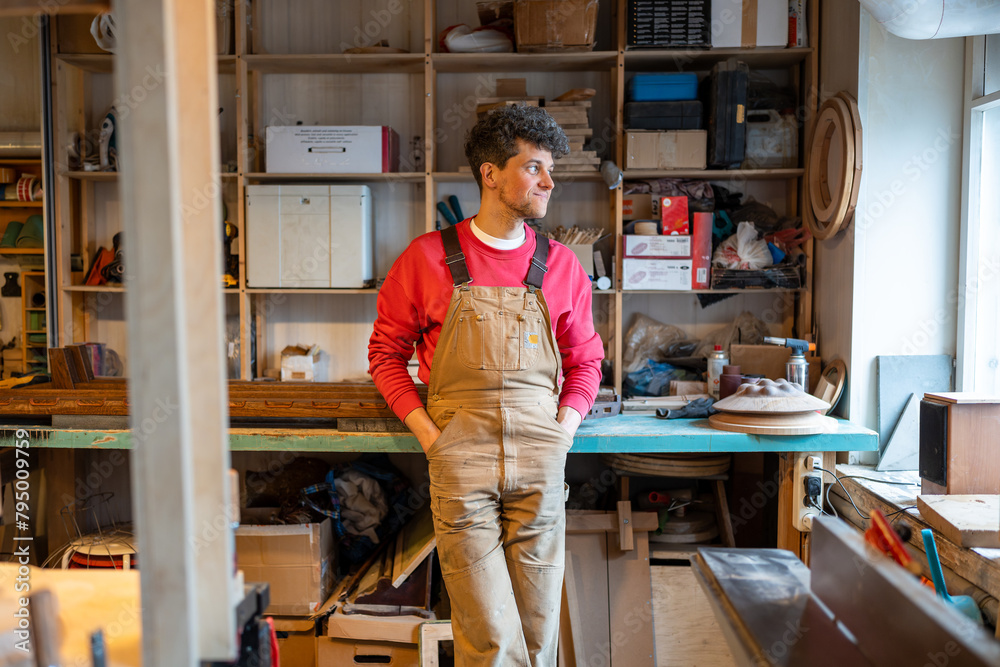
[663, 247]
[656, 274]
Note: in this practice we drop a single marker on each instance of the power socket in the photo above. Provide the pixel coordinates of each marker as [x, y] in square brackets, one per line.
[806, 473]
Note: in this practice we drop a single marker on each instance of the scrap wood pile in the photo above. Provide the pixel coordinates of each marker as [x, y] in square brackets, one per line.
[75, 390]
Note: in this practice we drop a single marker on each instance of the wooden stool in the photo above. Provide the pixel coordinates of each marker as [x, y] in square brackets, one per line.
[710, 467]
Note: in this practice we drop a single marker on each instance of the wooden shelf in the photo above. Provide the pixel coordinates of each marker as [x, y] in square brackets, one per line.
[715, 174]
[678, 60]
[92, 288]
[22, 251]
[21, 204]
[21, 161]
[314, 290]
[390, 63]
[584, 61]
[747, 290]
[558, 176]
[391, 177]
[29, 310]
[103, 63]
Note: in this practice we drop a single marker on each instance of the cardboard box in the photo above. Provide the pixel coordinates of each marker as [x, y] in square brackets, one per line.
[701, 250]
[296, 640]
[671, 149]
[659, 274]
[657, 247]
[769, 361]
[298, 561]
[331, 149]
[585, 252]
[555, 25]
[361, 639]
[674, 216]
[749, 23]
[299, 363]
[640, 206]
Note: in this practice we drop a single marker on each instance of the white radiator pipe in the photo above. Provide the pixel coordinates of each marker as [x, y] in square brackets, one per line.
[933, 19]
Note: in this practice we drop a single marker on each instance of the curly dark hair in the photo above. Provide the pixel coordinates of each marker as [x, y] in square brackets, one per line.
[494, 138]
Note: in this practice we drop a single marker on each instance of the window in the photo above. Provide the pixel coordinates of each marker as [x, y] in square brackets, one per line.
[979, 294]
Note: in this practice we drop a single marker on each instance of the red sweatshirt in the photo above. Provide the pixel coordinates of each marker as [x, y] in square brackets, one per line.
[414, 299]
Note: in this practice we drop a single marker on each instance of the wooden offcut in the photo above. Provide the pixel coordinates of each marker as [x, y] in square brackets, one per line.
[966, 520]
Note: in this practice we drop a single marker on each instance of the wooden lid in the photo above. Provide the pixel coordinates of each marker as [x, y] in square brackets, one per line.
[962, 397]
[770, 397]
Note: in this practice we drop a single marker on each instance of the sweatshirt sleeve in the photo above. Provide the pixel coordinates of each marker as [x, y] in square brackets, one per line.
[580, 347]
[396, 330]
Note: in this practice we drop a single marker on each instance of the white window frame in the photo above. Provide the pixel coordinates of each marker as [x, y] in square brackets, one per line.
[976, 104]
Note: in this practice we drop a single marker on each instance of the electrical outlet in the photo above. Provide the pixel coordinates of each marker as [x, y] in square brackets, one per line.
[806, 472]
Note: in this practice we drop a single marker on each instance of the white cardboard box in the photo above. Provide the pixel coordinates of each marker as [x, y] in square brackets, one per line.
[658, 247]
[662, 274]
[728, 19]
[297, 367]
[331, 149]
[309, 236]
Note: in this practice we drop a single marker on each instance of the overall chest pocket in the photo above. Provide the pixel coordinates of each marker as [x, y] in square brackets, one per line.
[499, 341]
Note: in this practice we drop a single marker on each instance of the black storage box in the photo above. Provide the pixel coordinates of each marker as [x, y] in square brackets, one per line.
[673, 115]
[669, 23]
[727, 113]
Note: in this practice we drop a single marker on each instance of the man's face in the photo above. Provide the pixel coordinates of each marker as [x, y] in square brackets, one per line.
[525, 182]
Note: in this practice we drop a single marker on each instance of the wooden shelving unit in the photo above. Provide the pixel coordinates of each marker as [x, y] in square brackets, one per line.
[284, 72]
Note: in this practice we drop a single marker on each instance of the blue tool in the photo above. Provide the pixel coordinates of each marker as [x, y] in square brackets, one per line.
[963, 603]
[449, 218]
[456, 207]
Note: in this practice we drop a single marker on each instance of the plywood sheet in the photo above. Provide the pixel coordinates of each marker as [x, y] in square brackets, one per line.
[686, 630]
[897, 377]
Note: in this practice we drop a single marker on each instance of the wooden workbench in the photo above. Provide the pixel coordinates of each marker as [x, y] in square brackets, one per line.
[624, 433]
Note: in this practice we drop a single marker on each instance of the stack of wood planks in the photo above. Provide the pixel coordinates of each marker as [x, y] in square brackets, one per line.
[75, 390]
[571, 110]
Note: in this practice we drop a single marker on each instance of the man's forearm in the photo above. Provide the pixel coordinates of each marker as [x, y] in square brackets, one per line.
[423, 427]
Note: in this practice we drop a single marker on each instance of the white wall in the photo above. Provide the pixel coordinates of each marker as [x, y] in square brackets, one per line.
[903, 242]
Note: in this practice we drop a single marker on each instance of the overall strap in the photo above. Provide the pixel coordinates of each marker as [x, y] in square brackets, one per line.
[454, 257]
[537, 268]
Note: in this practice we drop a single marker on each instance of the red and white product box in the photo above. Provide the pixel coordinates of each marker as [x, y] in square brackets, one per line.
[331, 149]
[674, 215]
[657, 247]
[658, 274]
[701, 250]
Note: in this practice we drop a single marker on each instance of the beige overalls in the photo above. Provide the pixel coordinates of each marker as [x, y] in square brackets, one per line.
[497, 469]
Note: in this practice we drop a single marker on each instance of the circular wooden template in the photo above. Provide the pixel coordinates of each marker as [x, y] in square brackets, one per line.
[691, 522]
[835, 375]
[688, 538]
[803, 424]
[658, 466]
[834, 155]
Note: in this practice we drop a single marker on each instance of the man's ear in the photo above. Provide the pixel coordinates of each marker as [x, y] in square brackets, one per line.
[488, 172]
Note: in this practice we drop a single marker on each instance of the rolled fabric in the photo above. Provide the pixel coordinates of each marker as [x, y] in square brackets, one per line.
[32, 234]
[9, 192]
[10, 234]
[8, 174]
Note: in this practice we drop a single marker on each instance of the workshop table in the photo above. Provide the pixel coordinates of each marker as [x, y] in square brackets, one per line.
[631, 433]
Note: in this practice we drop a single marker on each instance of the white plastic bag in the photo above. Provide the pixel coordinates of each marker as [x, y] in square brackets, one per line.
[463, 39]
[743, 250]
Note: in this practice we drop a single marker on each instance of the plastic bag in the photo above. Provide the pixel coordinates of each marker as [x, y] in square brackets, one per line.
[743, 250]
[463, 39]
[653, 378]
[648, 339]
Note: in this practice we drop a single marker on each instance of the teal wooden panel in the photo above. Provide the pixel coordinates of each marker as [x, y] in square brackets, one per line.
[625, 433]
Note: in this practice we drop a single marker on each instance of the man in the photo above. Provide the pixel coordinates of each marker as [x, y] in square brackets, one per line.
[494, 345]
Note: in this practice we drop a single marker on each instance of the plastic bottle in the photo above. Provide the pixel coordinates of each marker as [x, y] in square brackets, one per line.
[716, 361]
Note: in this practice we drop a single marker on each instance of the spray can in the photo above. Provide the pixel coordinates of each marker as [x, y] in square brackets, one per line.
[716, 361]
[797, 368]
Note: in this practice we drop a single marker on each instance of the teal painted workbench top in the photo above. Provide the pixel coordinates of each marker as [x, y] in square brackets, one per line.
[624, 433]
